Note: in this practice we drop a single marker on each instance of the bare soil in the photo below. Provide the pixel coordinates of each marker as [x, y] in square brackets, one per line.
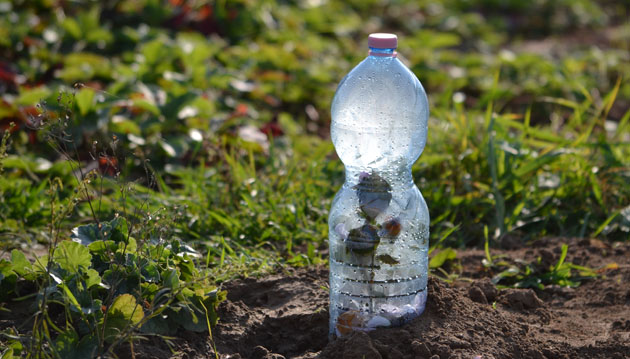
[286, 315]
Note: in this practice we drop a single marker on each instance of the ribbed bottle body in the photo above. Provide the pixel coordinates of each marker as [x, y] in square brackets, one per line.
[379, 221]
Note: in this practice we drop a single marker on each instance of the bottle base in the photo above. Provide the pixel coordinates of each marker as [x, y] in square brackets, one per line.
[351, 320]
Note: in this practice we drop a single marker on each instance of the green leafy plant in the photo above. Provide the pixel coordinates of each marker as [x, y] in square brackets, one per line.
[529, 275]
[111, 279]
[111, 287]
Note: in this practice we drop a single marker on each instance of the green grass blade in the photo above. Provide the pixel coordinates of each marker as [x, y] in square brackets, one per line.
[606, 222]
[565, 249]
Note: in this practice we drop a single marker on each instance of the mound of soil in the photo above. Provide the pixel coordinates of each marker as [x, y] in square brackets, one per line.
[286, 316]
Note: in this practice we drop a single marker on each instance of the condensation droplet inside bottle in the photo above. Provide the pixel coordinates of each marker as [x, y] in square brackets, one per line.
[379, 129]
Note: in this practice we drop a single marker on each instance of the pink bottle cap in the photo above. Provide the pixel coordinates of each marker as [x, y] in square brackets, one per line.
[383, 41]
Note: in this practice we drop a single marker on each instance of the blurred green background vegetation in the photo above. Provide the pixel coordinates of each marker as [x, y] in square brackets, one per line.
[229, 100]
[204, 125]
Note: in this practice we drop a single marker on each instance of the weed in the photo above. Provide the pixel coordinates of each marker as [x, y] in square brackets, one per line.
[113, 278]
[535, 275]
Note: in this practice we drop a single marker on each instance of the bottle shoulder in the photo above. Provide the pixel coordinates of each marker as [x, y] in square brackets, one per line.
[379, 115]
[375, 69]
[376, 79]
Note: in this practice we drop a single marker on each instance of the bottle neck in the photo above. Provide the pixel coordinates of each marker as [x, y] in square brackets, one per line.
[382, 52]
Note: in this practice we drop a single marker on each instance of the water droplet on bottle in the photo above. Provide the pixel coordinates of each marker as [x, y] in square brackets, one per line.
[379, 125]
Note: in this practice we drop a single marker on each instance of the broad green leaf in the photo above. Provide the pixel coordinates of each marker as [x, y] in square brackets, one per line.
[127, 307]
[151, 272]
[154, 51]
[7, 354]
[7, 111]
[40, 264]
[212, 301]
[171, 279]
[191, 319]
[288, 124]
[66, 343]
[72, 27]
[99, 35]
[128, 247]
[21, 265]
[72, 256]
[159, 325]
[89, 233]
[92, 278]
[86, 234]
[123, 312]
[147, 106]
[88, 345]
[124, 125]
[83, 66]
[31, 97]
[442, 257]
[205, 108]
[85, 100]
[6, 269]
[98, 247]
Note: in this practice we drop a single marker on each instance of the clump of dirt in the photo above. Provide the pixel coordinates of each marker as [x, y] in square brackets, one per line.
[286, 316]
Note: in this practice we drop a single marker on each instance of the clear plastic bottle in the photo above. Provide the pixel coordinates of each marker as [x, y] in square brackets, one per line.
[379, 221]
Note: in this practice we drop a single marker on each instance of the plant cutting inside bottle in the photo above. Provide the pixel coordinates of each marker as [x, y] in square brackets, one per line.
[374, 195]
[379, 221]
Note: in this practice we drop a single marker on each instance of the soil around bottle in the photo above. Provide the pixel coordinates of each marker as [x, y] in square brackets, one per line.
[286, 315]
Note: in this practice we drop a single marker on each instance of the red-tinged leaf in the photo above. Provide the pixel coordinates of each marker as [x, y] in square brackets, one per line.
[608, 267]
[204, 12]
[272, 129]
[29, 41]
[241, 110]
[272, 101]
[6, 75]
[108, 165]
